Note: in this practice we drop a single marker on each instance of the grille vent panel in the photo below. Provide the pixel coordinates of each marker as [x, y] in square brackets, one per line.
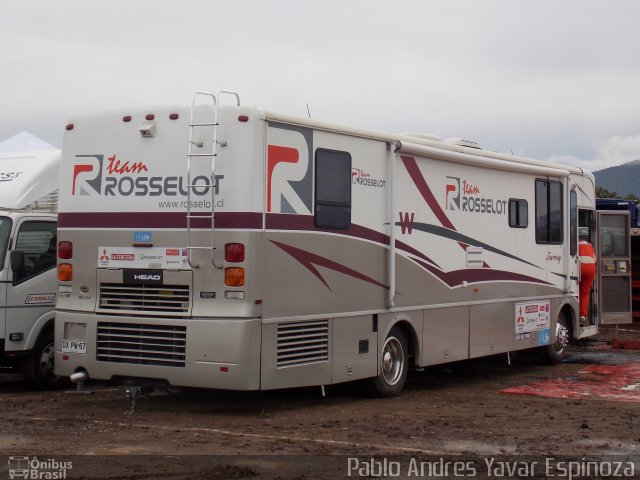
[161, 345]
[302, 343]
[167, 299]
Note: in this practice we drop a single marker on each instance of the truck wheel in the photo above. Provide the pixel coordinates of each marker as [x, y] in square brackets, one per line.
[554, 353]
[394, 366]
[38, 367]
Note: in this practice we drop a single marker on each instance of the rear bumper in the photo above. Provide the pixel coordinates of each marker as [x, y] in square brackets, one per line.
[219, 353]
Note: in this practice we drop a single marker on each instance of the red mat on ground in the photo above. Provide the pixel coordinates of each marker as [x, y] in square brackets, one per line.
[620, 383]
[625, 344]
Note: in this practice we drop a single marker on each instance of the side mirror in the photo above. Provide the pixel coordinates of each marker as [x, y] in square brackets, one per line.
[16, 258]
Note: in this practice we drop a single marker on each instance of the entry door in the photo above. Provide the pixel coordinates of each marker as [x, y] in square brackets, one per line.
[613, 250]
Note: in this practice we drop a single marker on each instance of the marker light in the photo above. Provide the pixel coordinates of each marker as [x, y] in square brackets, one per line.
[234, 252]
[65, 250]
[65, 272]
[126, 118]
[173, 116]
[243, 118]
[150, 116]
[69, 127]
[234, 276]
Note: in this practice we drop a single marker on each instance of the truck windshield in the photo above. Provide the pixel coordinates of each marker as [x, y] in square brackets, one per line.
[5, 231]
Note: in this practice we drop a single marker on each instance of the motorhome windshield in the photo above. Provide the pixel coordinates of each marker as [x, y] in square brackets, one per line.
[5, 230]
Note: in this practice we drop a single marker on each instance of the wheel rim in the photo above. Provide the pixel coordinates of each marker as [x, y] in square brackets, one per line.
[46, 361]
[562, 337]
[392, 361]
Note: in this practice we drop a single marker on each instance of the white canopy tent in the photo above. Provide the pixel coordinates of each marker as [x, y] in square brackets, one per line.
[28, 173]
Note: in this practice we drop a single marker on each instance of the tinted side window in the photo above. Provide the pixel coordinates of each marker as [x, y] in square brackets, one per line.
[573, 221]
[38, 242]
[548, 211]
[518, 213]
[333, 189]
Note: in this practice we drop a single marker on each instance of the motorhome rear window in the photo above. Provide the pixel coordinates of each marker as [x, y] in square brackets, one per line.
[333, 189]
[5, 231]
[548, 211]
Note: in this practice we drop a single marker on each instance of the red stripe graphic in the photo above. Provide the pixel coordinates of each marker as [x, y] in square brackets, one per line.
[239, 220]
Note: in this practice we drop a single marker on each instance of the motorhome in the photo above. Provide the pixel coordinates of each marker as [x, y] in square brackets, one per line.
[224, 246]
[28, 283]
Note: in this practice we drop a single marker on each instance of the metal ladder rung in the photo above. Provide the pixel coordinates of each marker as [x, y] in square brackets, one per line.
[192, 189]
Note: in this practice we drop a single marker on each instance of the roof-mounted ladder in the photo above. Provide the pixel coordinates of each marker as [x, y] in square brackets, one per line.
[212, 154]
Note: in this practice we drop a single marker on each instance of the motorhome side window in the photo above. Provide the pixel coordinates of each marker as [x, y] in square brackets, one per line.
[518, 213]
[37, 241]
[333, 189]
[548, 211]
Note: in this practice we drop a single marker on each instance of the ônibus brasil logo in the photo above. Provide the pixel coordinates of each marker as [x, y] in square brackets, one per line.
[130, 178]
[467, 197]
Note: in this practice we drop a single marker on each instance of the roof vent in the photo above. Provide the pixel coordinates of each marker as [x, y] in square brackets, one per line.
[425, 136]
[463, 143]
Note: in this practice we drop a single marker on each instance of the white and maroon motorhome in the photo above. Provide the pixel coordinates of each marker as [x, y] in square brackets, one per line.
[286, 252]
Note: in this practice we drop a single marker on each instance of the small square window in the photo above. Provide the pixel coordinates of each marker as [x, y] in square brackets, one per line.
[518, 213]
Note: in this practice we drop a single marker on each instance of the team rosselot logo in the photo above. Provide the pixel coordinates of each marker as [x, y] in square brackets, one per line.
[463, 195]
[125, 178]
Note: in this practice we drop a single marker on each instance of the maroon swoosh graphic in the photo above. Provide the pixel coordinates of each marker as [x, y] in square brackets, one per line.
[309, 260]
[414, 172]
[281, 221]
[475, 275]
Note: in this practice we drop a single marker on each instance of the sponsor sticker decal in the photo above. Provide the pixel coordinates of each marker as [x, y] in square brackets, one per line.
[533, 317]
[142, 236]
[134, 257]
[127, 257]
[40, 298]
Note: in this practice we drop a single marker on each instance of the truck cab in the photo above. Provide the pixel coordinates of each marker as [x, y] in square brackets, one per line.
[27, 294]
[28, 279]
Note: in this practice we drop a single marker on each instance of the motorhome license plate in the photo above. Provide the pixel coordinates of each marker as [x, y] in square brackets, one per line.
[74, 346]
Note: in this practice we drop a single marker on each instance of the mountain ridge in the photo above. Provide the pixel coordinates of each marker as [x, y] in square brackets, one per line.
[622, 179]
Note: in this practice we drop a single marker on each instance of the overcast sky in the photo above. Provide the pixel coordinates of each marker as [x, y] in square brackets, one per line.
[549, 79]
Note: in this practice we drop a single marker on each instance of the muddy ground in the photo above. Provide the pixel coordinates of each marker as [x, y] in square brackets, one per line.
[452, 412]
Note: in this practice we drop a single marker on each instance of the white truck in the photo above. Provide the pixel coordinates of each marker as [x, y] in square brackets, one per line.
[28, 222]
[236, 248]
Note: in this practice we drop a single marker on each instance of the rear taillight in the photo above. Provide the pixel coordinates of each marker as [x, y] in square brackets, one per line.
[234, 276]
[234, 252]
[65, 272]
[65, 250]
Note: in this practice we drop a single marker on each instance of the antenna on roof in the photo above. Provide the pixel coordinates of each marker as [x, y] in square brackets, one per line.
[308, 112]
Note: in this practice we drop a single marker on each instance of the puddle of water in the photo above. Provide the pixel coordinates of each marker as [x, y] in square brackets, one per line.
[607, 446]
[10, 441]
[601, 358]
[477, 448]
[120, 451]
